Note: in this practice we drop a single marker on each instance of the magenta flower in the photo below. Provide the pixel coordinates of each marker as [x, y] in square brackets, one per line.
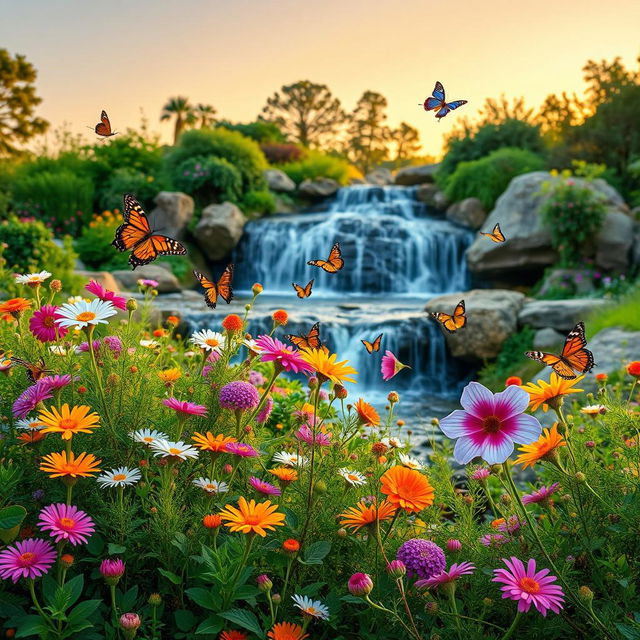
[541, 495]
[115, 345]
[272, 350]
[489, 424]
[263, 487]
[27, 401]
[30, 558]
[256, 378]
[185, 408]
[305, 434]
[480, 474]
[66, 522]
[391, 366]
[528, 587]
[265, 412]
[454, 545]
[43, 324]
[239, 396]
[112, 569]
[55, 382]
[146, 282]
[241, 449]
[455, 571]
[511, 524]
[83, 347]
[104, 294]
[360, 584]
[494, 540]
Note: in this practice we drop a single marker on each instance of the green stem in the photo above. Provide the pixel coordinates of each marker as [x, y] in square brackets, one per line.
[273, 615]
[316, 402]
[34, 599]
[69, 492]
[277, 369]
[286, 583]
[395, 615]
[512, 628]
[459, 615]
[243, 561]
[633, 387]
[96, 372]
[454, 610]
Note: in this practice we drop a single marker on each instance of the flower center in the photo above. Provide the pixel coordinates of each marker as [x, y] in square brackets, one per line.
[212, 342]
[119, 477]
[491, 424]
[252, 519]
[67, 523]
[174, 452]
[68, 423]
[26, 559]
[352, 477]
[86, 316]
[49, 322]
[529, 585]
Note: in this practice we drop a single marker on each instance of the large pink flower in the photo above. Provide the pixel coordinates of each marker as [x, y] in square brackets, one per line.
[390, 366]
[43, 324]
[271, 349]
[185, 408]
[455, 571]
[104, 294]
[489, 424]
[66, 522]
[30, 558]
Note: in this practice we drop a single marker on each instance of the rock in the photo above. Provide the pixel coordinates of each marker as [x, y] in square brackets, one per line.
[468, 212]
[614, 241]
[380, 177]
[635, 250]
[409, 176]
[491, 319]
[318, 188]
[613, 348]
[104, 278]
[571, 281]
[285, 205]
[175, 211]
[219, 229]
[432, 196]
[559, 314]
[167, 282]
[278, 180]
[547, 338]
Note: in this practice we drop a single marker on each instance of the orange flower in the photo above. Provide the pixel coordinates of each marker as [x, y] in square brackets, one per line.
[212, 521]
[291, 545]
[15, 305]
[407, 489]
[257, 288]
[513, 380]
[285, 475]
[159, 333]
[280, 317]
[602, 377]
[252, 517]
[169, 376]
[367, 414]
[31, 437]
[550, 393]
[58, 465]
[233, 635]
[363, 515]
[68, 422]
[233, 322]
[209, 442]
[173, 320]
[633, 369]
[544, 448]
[287, 631]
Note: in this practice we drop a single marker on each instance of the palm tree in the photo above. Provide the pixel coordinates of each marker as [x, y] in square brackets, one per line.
[181, 108]
[205, 113]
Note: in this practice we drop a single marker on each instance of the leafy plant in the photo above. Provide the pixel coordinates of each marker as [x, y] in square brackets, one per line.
[209, 179]
[317, 165]
[259, 202]
[94, 244]
[282, 153]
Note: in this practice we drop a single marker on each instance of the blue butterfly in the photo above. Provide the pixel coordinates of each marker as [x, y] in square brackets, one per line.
[437, 101]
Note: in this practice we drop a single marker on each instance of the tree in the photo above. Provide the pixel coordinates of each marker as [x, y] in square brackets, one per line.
[368, 135]
[18, 101]
[407, 140]
[180, 108]
[205, 115]
[305, 112]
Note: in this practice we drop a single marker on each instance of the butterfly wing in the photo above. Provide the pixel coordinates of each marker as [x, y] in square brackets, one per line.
[574, 353]
[496, 234]
[34, 371]
[455, 104]
[308, 288]
[309, 341]
[135, 228]
[224, 284]
[303, 292]
[333, 263]
[372, 346]
[154, 246]
[452, 322]
[432, 103]
[438, 92]
[376, 343]
[210, 289]
[103, 128]
[561, 368]
[443, 112]
[367, 345]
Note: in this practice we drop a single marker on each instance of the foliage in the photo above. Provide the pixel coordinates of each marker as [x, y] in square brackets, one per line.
[368, 135]
[621, 313]
[260, 131]
[407, 144]
[182, 110]
[318, 165]
[94, 243]
[208, 179]
[258, 202]
[204, 115]
[282, 153]
[128, 180]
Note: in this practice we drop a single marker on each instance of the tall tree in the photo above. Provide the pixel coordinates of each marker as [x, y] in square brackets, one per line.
[205, 115]
[305, 112]
[368, 134]
[181, 109]
[18, 101]
[407, 140]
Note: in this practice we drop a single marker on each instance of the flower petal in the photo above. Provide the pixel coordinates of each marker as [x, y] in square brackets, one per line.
[496, 451]
[466, 450]
[511, 402]
[527, 429]
[459, 423]
[477, 400]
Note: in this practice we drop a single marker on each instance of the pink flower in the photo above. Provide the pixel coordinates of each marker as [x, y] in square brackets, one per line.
[43, 324]
[56, 382]
[83, 347]
[30, 558]
[272, 350]
[511, 525]
[489, 424]
[541, 495]
[66, 522]
[494, 540]
[305, 434]
[264, 487]
[480, 474]
[104, 294]
[241, 449]
[27, 401]
[360, 584]
[112, 569]
[455, 571]
[146, 282]
[185, 408]
[454, 545]
[391, 366]
[265, 412]
[527, 587]
[115, 345]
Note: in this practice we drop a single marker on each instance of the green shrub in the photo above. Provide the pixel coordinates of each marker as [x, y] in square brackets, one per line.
[258, 202]
[260, 131]
[488, 177]
[317, 165]
[128, 180]
[623, 314]
[209, 179]
[94, 244]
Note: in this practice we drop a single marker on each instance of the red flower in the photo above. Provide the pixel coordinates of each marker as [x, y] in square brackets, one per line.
[512, 380]
[633, 369]
[232, 322]
[601, 377]
[280, 317]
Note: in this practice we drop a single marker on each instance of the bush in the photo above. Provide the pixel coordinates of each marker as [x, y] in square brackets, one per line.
[127, 180]
[94, 244]
[282, 153]
[488, 177]
[209, 179]
[258, 202]
[260, 131]
[318, 165]
[623, 314]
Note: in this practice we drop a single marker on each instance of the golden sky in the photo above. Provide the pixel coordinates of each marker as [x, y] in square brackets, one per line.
[130, 55]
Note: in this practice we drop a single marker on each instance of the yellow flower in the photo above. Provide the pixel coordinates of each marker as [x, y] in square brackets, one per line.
[326, 366]
[59, 465]
[544, 448]
[67, 422]
[549, 393]
[169, 376]
[252, 517]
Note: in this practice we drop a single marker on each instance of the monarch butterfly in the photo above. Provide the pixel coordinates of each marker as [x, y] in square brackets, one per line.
[574, 359]
[438, 101]
[309, 341]
[372, 346]
[34, 371]
[212, 290]
[496, 235]
[136, 235]
[103, 128]
[333, 263]
[303, 292]
[457, 320]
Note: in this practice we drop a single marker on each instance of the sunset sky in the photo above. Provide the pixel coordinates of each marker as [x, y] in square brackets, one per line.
[125, 56]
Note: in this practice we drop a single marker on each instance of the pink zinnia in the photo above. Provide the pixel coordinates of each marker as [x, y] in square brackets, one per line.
[391, 366]
[455, 571]
[241, 449]
[238, 396]
[30, 558]
[186, 408]
[66, 522]
[305, 434]
[30, 398]
[489, 424]
[360, 584]
[43, 324]
[541, 495]
[104, 294]
[272, 350]
[264, 487]
[112, 569]
[527, 587]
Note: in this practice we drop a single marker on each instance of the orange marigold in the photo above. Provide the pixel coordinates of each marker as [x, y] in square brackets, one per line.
[287, 631]
[407, 489]
[633, 369]
[544, 448]
[367, 414]
[212, 521]
[173, 320]
[209, 442]
[363, 514]
[280, 317]
[15, 305]
[233, 322]
[285, 475]
[602, 377]
[291, 545]
[59, 465]
[252, 517]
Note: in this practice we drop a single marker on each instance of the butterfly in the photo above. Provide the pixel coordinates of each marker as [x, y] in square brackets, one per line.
[457, 320]
[34, 371]
[372, 346]
[212, 290]
[137, 236]
[496, 235]
[103, 128]
[333, 263]
[303, 292]
[574, 359]
[309, 341]
[438, 101]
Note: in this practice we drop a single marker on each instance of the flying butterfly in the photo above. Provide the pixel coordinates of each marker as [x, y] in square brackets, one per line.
[212, 289]
[438, 101]
[372, 346]
[103, 128]
[34, 371]
[309, 341]
[457, 320]
[496, 235]
[136, 235]
[574, 359]
[333, 263]
[303, 292]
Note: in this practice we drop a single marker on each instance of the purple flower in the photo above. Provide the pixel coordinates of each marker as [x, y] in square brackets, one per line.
[494, 540]
[239, 396]
[84, 346]
[115, 345]
[422, 558]
[55, 382]
[185, 408]
[30, 397]
[455, 571]
[305, 434]
[263, 487]
[30, 558]
[241, 449]
[541, 495]
[256, 378]
[265, 412]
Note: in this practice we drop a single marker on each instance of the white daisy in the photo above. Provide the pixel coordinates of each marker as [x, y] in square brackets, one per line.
[594, 409]
[392, 443]
[148, 436]
[209, 340]
[58, 350]
[354, 478]
[309, 607]
[178, 449]
[290, 459]
[409, 462]
[74, 299]
[82, 314]
[33, 279]
[30, 424]
[211, 486]
[251, 345]
[149, 344]
[120, 477]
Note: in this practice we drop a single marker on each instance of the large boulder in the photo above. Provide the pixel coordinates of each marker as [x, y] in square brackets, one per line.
[561, 315]
[570, 281]
[104, 278]
[173, 212]
[318, 188]
[409, 176]
[167, 282]
[380, 177]
[614, 242]
[278, 180]
[491, 319]
[547, 338]
[468, 212]
[219, 229]
[613, 348]
[432, 197]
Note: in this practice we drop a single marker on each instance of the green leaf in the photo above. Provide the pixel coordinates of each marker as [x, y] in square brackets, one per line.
[79, 614]
[31, 626]
[171, 576]
[315, 553]
[49, 587]
[74, 587]
[244, 619]
[213, 625]
[246, 592]
[184, 619]
[127, 600]
[203, 597]
[95, 546]
[12, 516]
[629, 632]
[115, 549]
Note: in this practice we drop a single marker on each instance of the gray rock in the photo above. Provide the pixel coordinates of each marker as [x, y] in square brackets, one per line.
[167, 282]
[409, 176]
[468, 212]
[380, 177]
[614, 241]
[613, 348]
[571, 280]
[319, 188]
[491, 319]
[104, 278]
[558, 314]
[219, 229]
[278, 180]
[431, 196]
[547, 338]
[440, 201]
[173, 212]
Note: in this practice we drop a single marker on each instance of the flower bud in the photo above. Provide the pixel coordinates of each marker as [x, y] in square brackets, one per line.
[487, 602]
[393, 397]
[454, 545]
[132, 304]
[360, 584]
[55, 286]
[396, 569]
[580, 477]
[112, 570]
[228, 469]
[257, 289]
[66, 560]
[400, 423]
[155, 600]
[291, 546]
[585, 594]
[212, 521]
[247, 307]
[435, 422]
[431, 608]
[82, 390]
[264, 583]
[339, 392]
[129, 623]
[320, 487]
[276, 598]
[342, 532]
[312, 383]
[590, 444]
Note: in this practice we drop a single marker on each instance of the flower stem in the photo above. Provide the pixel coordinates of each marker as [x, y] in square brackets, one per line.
[633, 388]
[514, 625]
[454, 610]
[395, 615]
[277, 369]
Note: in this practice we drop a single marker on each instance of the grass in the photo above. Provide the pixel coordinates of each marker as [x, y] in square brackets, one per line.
[624, 314]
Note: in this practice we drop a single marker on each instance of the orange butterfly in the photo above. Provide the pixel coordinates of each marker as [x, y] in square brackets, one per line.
[137, 236]
[103, 128]
[333, 263]
[457, 320]
[309, 341]
[574, 359]
[213, 290]
[34, 371]
[496, 235]
[372, 346]
[303, 292]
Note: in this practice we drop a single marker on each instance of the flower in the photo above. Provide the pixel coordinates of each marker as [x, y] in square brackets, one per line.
[290, 459]
[185, 408]
[407, 489]
[367, 414]
[130, 622]
[493, 540]
[527, 587]
[396, 569]
[550, 393]
[208, 340]
[352, 478]
[305, 434]
[112, 569]
[363, 515]
[513, 380]
[241, 449]
[602, 377]
[169, 376]
[285, 475]
[409, 462]
[391, 366]
[211, 486]
[252, 517]
[272, 350]
[33, 279]
[541, 495]
[212, 521]
[263, 487]
[55, 382]
[480, 474]
[84, 347]
[287, 631]
[27, 401]
[108, 296]
[265, 412]
[360, 584]
[149, 344]
[57, 350]
[633, 369]
[59, 465]
[84, 314]
[166, 448]
[422, 558]
[15, 306]
[42, 324]
[31, 437]
[120, 477]
[593, 410]
[26, 423]
[209, 442]
[28, 558]
[114, 344]
[67, 422]
[280, 317]
[489, 424]
[66, 522]
[291, 546]
[510, 525]
[325, 365]
[453, 545]
[544, 448]
[148, 436]
[311, 608]
[233, 322]
[239, 396]
[455, 571]
[233, 635]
